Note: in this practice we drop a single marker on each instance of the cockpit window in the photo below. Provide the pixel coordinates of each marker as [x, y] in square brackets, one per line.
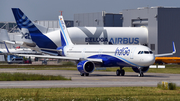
[145, 52]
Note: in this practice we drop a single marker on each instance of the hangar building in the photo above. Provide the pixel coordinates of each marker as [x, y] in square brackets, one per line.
[162, 22]
[99, 19]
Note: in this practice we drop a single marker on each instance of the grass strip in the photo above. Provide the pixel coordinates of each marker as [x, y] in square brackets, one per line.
[90, 94]
[28, 77]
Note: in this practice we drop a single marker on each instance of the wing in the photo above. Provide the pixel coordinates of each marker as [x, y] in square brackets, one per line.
[167, 54]
[60, 57]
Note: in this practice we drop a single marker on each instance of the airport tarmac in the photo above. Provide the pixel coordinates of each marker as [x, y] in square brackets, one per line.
[96, 79]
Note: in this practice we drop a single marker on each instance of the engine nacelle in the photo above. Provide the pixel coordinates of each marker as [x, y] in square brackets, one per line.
[85, 66]
[144, 69]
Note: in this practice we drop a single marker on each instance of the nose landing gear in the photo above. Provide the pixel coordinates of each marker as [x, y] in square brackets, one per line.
[140, 72]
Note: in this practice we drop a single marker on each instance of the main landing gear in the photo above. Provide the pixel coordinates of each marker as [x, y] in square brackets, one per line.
[120, 72]
[140, 72]
[86, 74]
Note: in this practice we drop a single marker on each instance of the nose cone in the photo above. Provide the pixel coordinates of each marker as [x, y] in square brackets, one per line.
[147, 60]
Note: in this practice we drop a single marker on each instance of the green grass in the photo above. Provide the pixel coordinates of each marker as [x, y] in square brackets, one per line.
[28, 77]
[90, 94]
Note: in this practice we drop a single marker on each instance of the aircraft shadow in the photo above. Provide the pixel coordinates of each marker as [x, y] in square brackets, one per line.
[101, 75]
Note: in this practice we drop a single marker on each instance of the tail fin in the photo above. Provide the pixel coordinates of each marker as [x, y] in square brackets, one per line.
[65, 39]
[23, 21]
[26, 26]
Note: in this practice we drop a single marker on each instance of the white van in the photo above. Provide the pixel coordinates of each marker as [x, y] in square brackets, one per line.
[14, 59]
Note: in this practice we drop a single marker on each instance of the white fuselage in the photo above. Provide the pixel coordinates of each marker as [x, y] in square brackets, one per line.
[128, 54]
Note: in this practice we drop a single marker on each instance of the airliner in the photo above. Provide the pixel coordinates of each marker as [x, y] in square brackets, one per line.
[86, 35]
[138, 57]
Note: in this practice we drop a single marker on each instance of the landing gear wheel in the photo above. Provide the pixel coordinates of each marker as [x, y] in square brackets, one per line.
[140, 72]
[122, 72]
[87, 74]
[141, 75]
[82, 74]
[118, 72]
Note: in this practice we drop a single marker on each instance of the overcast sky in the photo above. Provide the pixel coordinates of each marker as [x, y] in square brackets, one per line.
[49, 9]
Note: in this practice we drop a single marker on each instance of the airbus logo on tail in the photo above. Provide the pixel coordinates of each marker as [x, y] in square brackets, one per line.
[25, 33]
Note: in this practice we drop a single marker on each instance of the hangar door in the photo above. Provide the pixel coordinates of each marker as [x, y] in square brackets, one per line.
[139, 22]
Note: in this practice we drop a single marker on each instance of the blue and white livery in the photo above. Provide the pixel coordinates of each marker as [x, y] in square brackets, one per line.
[33, 35]
[107, 55]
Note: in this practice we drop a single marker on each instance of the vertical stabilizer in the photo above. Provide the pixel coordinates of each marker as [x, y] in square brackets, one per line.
[31, 32]
[23, 21]
[65, 39]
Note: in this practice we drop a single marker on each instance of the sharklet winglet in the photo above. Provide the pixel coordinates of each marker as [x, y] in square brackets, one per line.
[174, 48]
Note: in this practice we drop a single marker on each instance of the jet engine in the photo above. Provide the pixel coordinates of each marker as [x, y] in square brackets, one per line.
[144, 69]
[85, 67]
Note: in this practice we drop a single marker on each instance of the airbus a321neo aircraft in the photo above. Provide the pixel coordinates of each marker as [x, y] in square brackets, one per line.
[88, 56]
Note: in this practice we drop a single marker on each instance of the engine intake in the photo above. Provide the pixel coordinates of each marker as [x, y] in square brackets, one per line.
[144, 69]
[85, 66]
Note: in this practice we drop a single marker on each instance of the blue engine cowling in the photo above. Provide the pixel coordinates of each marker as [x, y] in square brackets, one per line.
[144, 69]
[85, 66]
